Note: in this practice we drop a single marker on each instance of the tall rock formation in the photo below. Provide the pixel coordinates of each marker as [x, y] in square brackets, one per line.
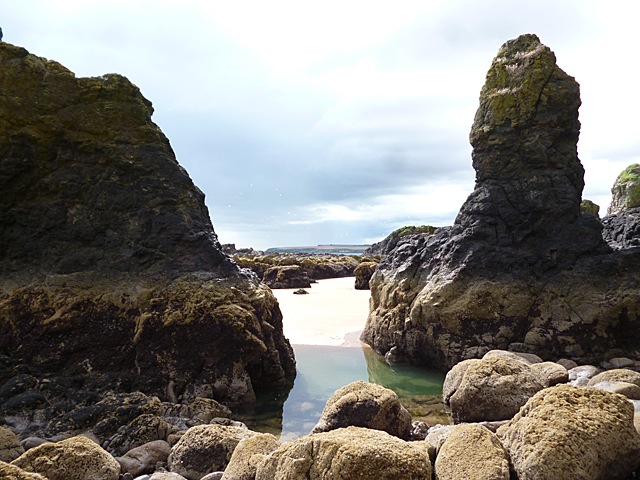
[521, 268]
[108, 258]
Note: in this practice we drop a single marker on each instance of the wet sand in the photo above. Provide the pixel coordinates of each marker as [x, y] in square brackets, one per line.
[333, 313]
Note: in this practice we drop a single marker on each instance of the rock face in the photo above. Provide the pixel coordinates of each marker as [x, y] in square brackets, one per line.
[391, 241]
[521, 269]
[108, 258]
[573, 432]
[349, 454]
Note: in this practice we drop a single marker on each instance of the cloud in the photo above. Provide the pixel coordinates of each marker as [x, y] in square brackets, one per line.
[310, 123]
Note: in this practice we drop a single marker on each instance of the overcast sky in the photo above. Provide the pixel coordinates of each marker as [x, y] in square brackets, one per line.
[307, 123]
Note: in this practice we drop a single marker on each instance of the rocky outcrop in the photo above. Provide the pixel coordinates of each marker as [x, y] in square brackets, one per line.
[622, 223]
[573, 432]
[521, 269]
[363, 273]
[364, 404]
[349, 454]
[248, 454]
[289, 276]
[391, 241]
[108, 258]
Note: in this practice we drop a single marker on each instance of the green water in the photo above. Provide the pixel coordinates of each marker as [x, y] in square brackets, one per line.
[292, 413]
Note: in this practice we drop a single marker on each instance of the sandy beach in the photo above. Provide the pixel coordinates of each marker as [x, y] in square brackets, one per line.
[332, 310]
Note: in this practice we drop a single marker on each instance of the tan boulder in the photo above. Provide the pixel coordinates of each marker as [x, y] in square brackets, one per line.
[204, 449]
[616, 375]
[572, 432]
[143, 459]
[454, 377]
[11, 472]
[10, 447]
[347, 454]
[76, 458]
[248, 454]
[551, 373]
[364, 404]
[529, 358]
[493, 389]
[472, 451]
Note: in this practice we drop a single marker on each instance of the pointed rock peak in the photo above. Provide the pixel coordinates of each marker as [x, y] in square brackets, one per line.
[626, 190]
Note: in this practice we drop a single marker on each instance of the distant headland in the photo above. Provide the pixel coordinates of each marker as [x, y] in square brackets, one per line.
[334, 249]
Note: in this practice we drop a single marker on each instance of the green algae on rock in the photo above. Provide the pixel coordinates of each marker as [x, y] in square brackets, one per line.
[108, 258]
[626, 190]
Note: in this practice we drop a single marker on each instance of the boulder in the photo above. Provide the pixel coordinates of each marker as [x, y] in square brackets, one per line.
[108, 257]
[143, 459]
[247, 454]
[347, 453]
[288, 276]
[580, 376]
[11, 472]
[10, 447]
[166, 476]
[616, 375]
[521, 269]
[493, 389]
[143, 429]
[572, 432]
[550, 373]
[363, 273]
[453, 378]
[76, 458]
[205, 449]
[629, 390]
[368, 405]
[472, 451]
[528, 358]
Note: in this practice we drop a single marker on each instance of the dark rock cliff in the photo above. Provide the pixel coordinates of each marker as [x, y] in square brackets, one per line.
[521, 268]
[108, 258]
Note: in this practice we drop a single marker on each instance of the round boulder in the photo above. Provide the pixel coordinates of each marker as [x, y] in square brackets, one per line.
[205, 449]
[364, 404]
[616, 375]
[551, 373]
[143, 459]
[486, 459]
[348, 454]
[493, 388]
[248, 454]
[572, 432]
[76, 458]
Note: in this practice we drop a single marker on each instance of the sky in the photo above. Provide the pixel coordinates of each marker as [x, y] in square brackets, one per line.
[337, 122]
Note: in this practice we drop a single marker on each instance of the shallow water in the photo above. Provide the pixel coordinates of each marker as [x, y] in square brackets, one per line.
[329, 357]
[322, 369]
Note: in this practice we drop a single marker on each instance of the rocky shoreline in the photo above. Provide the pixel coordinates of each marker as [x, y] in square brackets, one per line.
[515, 416]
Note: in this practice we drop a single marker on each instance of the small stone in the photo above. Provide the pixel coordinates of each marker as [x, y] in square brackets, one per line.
[300, 291]
[621, 362]
[567, 363]
[580, 376]
[551, 373]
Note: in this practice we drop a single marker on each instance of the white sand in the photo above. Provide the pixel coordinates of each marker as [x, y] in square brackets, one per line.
[332, 309]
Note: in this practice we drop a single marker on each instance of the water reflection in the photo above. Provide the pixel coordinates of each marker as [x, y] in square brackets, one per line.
[293, 412]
